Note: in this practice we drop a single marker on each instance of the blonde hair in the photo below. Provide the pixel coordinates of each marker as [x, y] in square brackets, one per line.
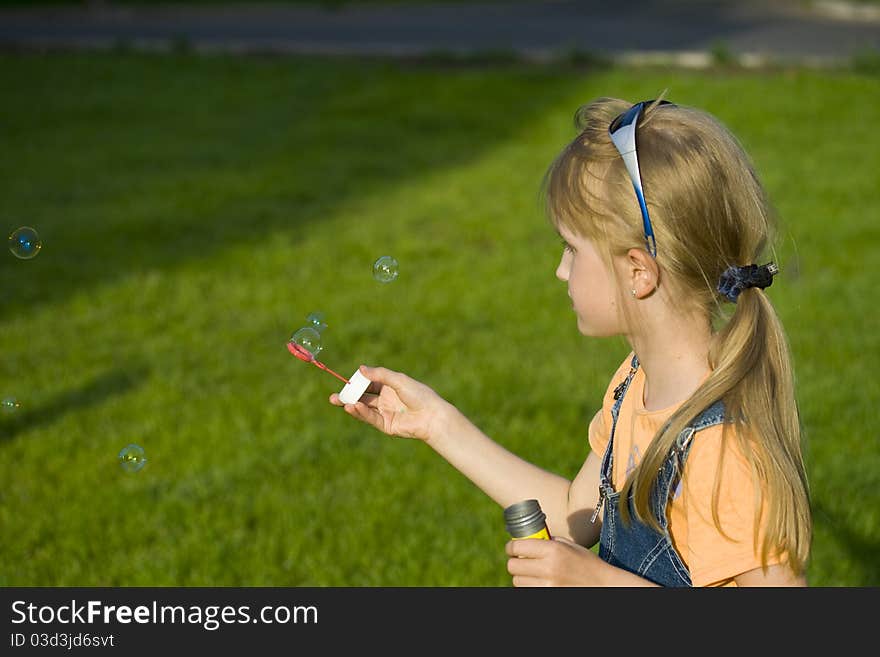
[709, 211]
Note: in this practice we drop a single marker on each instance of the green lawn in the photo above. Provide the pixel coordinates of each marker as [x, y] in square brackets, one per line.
[194, 210]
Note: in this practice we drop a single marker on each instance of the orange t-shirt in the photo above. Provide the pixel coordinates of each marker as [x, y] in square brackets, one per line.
[711, 557]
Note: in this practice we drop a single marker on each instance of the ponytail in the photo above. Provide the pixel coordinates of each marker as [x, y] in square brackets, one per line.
[752, 374]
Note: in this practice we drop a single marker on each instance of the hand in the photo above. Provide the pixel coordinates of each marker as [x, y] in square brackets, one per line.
[397, 405]
[558, 562]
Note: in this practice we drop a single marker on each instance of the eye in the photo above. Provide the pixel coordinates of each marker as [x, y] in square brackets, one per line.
[567, 247]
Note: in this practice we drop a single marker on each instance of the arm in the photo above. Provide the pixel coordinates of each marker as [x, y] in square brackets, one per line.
[507, 478]
[400, 406]
[583, 495]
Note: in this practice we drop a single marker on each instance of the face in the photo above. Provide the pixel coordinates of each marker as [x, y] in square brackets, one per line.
[591, 286]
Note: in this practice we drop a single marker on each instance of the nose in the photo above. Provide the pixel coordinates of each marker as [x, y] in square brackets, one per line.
[562, 269]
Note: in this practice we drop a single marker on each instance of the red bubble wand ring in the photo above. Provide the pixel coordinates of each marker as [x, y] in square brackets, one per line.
[305, 355]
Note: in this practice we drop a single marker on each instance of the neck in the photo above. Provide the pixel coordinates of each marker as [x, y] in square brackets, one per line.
[673, 352]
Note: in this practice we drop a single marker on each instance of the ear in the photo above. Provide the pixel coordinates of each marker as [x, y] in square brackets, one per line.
[643, 273]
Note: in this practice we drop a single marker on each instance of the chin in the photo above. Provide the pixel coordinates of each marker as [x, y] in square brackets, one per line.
[584, 329]
[589, 331]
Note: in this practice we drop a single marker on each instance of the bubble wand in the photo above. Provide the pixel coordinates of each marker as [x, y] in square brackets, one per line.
[305, 355]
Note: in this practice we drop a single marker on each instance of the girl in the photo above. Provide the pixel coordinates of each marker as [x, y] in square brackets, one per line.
[695, 475]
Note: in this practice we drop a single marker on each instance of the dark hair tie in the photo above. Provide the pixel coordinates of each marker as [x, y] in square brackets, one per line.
[736, 279]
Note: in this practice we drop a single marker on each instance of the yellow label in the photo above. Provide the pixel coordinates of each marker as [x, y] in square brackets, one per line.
[543, 533]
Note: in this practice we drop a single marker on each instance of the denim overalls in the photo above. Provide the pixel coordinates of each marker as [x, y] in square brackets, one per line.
[636, 547]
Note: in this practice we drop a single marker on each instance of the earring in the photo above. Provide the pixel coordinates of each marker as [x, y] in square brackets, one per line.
[633, 292]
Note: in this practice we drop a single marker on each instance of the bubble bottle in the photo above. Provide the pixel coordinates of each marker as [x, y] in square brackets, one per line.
[526, 520]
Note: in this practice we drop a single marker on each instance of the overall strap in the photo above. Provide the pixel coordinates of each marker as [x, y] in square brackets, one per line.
[605, 487]
[709, 417]
[619, 394]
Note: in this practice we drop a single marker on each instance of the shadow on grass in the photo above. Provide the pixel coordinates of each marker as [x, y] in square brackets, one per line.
[125, 162]
[97, 391]
[860, 549]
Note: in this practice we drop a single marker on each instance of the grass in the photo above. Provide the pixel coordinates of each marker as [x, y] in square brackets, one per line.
[194, 210]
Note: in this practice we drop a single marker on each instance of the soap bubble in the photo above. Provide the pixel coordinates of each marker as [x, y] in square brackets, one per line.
[386, 269]
[10, 405]
[24, 243]
[316, 321]
[132, 458]
[308, 338]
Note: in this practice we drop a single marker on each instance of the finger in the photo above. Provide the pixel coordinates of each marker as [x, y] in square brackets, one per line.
[531, 548]
[383, 376]
[372, 373]
[360, 411]
[525, 581]
[369, 399]
[375, 387]
[367, 414]
[517, 566]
